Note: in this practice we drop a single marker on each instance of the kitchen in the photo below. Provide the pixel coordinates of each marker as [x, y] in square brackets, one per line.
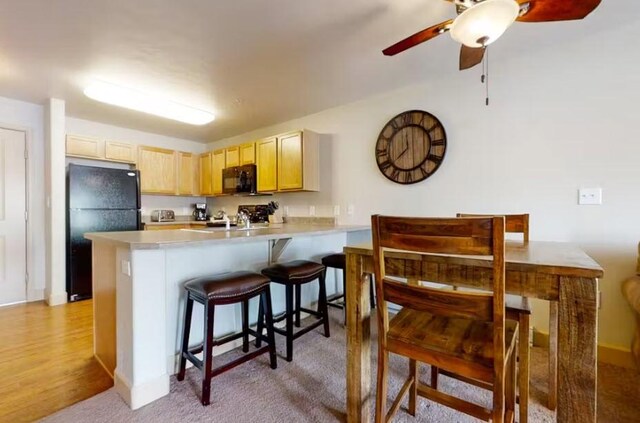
[302, 70]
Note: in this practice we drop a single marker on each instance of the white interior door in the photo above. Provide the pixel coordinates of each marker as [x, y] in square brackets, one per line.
[13, 188]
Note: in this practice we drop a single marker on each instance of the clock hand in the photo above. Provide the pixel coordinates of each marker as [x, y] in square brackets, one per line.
[403, 151]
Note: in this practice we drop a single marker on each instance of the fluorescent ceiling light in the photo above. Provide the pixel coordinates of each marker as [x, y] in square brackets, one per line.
[142, 102]
[485, 22]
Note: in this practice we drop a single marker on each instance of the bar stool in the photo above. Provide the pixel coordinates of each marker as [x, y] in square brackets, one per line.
[339, 261]
[292, 275]
[227, 288]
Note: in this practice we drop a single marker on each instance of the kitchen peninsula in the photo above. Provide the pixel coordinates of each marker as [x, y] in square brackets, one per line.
[138, 296]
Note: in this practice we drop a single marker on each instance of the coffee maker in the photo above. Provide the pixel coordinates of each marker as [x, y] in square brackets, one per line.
[200, 212]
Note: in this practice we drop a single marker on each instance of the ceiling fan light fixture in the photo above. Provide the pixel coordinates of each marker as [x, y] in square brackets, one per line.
[485, 22]
[146, 103]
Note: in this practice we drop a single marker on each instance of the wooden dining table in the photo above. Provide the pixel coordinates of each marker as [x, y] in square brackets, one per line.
[553, 271]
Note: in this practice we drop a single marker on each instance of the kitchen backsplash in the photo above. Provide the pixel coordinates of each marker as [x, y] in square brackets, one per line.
[182, 206]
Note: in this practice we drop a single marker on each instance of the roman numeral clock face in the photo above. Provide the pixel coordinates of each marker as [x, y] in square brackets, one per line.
[411, 147]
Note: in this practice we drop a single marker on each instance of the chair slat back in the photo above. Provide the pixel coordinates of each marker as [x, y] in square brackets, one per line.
[461, 236]
[514, 223]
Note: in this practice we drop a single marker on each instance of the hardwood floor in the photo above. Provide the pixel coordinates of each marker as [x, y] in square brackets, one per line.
[46, 359]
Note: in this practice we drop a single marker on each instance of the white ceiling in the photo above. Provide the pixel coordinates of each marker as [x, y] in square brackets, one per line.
[252, 62]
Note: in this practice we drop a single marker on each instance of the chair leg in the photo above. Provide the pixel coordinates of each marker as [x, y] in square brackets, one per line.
[523, 367]
[322, 303]
[413, 391]
[188, 310]
[207, 363]
[289, 321]
[266, 299]
[434, 377]
[344, 291]
[381, 392]
[260, 324]
[245, 326]
[510, 388]
[298, 304]
[553, 355]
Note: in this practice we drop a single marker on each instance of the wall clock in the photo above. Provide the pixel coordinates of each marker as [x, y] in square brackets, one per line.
[411, 147]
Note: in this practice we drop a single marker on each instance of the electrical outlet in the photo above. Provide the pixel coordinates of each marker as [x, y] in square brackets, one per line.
[590, 196]
[286, 210]
[312, 210]
[125, 267]
[336, 210]
[350, 209]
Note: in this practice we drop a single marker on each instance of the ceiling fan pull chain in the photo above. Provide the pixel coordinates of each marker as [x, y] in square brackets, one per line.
[485, 76]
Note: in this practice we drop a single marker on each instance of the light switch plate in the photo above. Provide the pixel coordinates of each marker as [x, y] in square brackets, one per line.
[336, 210]
[125, 267]
[312, 210]
[590, 196]
[350, 209]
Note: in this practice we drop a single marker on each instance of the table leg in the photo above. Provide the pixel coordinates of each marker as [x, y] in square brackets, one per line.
[577, 358]
[358, 341]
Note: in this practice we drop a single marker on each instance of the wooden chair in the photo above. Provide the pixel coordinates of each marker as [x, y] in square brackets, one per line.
[465, 333]
[518, 308]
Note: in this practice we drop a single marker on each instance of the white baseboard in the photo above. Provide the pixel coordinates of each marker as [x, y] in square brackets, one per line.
[56, 298]
[141, 395]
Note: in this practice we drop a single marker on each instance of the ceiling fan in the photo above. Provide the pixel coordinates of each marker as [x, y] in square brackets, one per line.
[481, 22]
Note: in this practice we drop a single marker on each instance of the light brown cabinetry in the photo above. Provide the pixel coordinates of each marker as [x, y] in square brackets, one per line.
[92, 148]
[290, 170]
[267, 164]
[188, 181]
[218, 163]
[232, 156]
[158, 171]
[289, 162]
[120, 152]
[205, 174]
[248, 153]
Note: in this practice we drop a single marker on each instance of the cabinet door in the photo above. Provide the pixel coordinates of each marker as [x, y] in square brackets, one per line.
[217, 166]
[205, 174]
[232, 156]
[157, 170]
[266, 160]
[290, 161]
[247, 153]
[120, 152]
[186, 174]
[85, 147]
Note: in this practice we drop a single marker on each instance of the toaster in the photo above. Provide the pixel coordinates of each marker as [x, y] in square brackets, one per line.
[163, 216]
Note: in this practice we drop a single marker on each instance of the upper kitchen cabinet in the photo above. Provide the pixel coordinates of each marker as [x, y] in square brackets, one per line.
[188, 181]
[298, 161]
[266, 161]
[248, 153]
[158, 170]
[232, 156]
[85, 147]
[205, 174]
[218, 163]
[120, 152]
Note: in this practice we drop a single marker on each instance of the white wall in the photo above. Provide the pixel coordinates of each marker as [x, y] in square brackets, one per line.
[30, 117]
[561, 118]
[181, 205]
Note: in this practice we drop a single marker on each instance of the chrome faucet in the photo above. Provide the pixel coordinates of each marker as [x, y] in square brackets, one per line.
[243, 216]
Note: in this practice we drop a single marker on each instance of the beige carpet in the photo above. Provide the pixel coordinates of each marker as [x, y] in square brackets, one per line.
[312, 389]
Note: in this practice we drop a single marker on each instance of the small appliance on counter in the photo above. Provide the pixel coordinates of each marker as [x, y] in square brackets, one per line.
[163, 216]
[200, 212]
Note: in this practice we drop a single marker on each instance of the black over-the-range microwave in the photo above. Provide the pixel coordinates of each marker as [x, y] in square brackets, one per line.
[239, 180]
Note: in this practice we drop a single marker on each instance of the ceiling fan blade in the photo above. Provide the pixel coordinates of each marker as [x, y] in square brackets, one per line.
[417, 38]
[554, 10]
[469, 56]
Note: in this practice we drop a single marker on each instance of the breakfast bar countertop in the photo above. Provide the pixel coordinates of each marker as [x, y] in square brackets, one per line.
[146, 240]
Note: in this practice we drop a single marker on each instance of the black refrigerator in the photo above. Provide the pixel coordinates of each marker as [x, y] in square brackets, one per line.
[98, 200]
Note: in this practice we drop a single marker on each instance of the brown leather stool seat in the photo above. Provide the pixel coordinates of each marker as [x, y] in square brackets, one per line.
[339, 261]
[293, 275]
[221, 289]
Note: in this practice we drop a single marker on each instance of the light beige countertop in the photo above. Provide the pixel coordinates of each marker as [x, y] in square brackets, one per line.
[144, 240]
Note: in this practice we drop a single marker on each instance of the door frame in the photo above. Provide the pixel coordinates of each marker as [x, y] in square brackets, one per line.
[31, 294]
